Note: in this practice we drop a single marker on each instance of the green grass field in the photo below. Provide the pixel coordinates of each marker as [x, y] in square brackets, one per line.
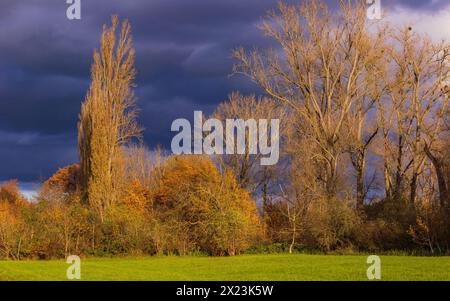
[248, 267]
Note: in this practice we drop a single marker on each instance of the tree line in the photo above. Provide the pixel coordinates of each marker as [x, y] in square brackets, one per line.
[364, 166]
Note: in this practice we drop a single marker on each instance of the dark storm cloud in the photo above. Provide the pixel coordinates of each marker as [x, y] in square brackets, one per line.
[183, 61]
[32, 156]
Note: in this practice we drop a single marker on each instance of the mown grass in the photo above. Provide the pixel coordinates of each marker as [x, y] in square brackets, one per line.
[248, 267]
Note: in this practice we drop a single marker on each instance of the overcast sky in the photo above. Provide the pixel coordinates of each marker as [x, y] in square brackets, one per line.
[183, 62]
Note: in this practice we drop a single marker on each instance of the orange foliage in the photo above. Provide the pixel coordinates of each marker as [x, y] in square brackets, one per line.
[10, 193]
[183, 175]
[11, 226]
[65, 179]
[208, 210]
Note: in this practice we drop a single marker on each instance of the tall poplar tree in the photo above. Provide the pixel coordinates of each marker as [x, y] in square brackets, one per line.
[107, 120]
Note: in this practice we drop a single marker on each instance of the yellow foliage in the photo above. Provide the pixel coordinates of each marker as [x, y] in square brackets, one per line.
[136, 196]
[208, 210]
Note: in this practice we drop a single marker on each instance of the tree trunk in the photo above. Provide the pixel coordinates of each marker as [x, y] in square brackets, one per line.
[399, 172]
[442, 182]
[294, 233]
[413, 187]
[359, 165]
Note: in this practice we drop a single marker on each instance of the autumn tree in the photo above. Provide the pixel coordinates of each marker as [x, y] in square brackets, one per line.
[66, 179]
[10, 193]
[13, 229]
[108, 118]
[204, 208]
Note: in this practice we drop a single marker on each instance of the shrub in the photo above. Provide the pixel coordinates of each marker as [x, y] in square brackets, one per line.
[207, 210]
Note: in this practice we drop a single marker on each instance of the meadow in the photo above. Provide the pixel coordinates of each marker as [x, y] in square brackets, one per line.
[240, 268]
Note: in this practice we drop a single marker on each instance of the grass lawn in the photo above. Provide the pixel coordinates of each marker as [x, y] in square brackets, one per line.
[248, 267]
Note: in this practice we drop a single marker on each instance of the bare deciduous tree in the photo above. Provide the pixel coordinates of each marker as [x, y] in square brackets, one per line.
[320, 69]
[249, 174]
[412, 114]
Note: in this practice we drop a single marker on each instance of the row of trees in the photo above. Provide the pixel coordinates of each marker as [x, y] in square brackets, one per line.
[190, 208]
[364, 166]
[368, 123]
